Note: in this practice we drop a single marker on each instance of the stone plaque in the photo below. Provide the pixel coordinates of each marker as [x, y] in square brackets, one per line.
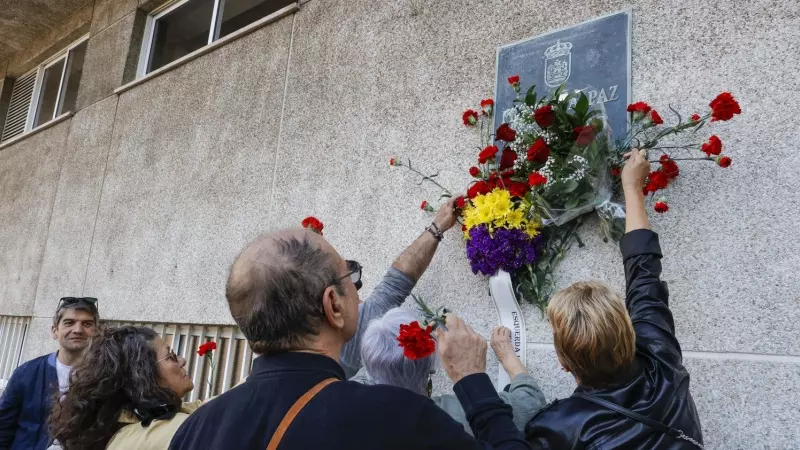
[593, 56]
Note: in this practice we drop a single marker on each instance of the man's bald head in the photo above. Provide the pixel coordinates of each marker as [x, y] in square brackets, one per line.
[276, 286]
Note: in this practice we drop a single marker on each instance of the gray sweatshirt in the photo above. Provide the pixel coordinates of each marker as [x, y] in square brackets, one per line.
[390, 293]
[524, 396]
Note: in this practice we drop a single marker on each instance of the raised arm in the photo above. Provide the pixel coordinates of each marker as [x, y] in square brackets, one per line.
[397, 284]
[646, 296]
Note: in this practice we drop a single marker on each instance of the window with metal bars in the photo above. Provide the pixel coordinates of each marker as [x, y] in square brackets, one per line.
[230, 362]
[46, 92]
[13, 330]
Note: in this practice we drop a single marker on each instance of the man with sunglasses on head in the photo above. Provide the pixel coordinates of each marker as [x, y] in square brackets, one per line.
[296, 301]
[27, 399]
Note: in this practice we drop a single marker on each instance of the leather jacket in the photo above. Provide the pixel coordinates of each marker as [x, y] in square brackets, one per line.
[656, 385]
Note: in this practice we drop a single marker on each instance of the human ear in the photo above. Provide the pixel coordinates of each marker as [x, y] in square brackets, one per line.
[332, 304]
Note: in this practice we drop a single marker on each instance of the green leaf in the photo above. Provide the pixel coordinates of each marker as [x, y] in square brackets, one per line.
[530, 96]
[583, 105]
[571, 203]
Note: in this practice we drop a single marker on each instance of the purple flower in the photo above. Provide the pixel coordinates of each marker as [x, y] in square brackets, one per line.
[506, 249]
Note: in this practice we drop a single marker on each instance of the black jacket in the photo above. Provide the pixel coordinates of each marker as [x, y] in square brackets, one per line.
[657, 385]
[345, 415]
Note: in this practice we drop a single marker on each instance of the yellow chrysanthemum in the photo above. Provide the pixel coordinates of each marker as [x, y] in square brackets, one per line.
[515, 218]
[532, 228]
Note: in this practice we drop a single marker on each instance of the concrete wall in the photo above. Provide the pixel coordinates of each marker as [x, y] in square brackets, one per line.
[144, 199]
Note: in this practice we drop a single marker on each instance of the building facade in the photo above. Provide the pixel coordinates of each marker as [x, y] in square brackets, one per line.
[145, 143]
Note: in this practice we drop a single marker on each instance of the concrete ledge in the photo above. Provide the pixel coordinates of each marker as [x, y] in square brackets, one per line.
[274, 17]
[41, 127]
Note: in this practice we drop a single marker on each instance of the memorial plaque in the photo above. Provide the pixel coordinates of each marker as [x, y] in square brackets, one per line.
[593, 56]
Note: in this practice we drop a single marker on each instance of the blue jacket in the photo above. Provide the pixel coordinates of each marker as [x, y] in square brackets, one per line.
[26, 404]
[345, 415]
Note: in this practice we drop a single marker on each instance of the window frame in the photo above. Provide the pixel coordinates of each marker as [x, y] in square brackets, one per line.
[33, 107]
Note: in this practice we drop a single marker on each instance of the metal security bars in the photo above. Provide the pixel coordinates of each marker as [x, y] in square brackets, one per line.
[12, 337]
[232, 359]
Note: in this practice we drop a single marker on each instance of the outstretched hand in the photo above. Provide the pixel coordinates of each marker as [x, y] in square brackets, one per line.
[447, 215]
[636, 169]
[461, 350]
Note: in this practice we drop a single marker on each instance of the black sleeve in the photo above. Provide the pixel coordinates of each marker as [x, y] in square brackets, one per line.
[647, 297]
[10, 409]
[490, 418]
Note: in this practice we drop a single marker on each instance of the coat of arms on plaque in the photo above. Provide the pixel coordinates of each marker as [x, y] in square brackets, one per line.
[557, 63]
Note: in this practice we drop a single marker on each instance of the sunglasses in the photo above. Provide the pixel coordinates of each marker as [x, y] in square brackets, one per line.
[67, 301]
[354, 272]
[172, 356]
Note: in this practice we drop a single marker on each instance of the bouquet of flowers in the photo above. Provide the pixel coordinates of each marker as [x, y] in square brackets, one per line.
[553, 161]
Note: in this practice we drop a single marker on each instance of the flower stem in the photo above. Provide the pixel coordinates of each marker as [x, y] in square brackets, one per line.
[684, 159]
[427, 178]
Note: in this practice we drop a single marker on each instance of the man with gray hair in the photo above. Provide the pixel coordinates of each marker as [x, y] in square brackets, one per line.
[295, 299]
[27, 399]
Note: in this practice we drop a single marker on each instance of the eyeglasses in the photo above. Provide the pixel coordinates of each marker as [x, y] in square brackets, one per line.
[67, 301]
[354, 272]
[172, 356]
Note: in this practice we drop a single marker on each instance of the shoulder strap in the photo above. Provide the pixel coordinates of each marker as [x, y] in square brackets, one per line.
[674, 432]
[294, 411]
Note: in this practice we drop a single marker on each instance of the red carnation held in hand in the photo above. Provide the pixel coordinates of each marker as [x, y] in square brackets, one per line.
[507, 159]
[536, 179]
[487, 154]
[539, 151]
[584, 135]
[669, 167]
[416, 342]
[206, 348]
[460, 202]
[470, 118]
[313, 224]
[544, 116]
[724, 107]
[712, 147]
[505, 133]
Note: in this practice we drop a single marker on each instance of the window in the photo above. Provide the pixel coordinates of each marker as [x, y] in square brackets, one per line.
[12, 337]
[181, 27]
[46, 92]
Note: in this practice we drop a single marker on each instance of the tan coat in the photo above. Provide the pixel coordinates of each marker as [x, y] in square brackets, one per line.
[155, 437]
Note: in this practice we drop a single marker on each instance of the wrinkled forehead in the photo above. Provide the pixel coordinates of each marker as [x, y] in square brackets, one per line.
[75, 315]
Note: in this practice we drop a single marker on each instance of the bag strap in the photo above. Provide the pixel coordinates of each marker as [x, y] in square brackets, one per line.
[674, 432]
[294, 411]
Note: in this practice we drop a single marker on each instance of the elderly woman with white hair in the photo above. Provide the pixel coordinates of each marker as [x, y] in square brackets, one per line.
[384, 363]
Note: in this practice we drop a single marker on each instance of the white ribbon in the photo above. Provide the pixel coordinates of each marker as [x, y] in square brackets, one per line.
[505, 301]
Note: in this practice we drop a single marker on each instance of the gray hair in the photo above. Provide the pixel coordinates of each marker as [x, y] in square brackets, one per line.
[383, 357]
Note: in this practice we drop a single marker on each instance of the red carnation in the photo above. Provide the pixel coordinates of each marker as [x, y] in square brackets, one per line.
[507, 159]
[713, 146]
[313, 224]
[669, 167]
[470, 118]
[724, 107]
[657, 180]
[513, 80]
[474, 171]
[505, 133]
[724, 161]
[416, 341]
[208, 347]
[487, 105]
[507, 173]
[539, 151]
[640, 107]
[661, 206]
[425, 206]
[479, 188]
[536, 179]
[460, 202]
[615, 171]
[391, 162]
[517, 189]
[584, 135]
[655, 118]
[695, 117]
[544, 116]
[487, 154]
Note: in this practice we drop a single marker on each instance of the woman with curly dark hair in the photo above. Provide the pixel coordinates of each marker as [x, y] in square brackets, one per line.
[125, 394]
